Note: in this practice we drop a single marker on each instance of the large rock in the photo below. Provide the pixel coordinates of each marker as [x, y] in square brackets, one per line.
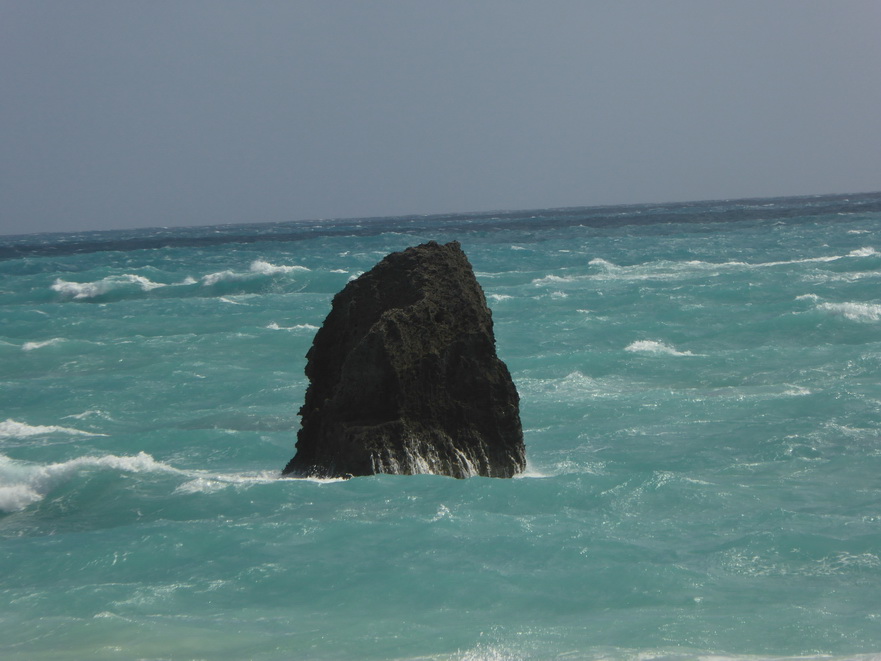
[404, 376]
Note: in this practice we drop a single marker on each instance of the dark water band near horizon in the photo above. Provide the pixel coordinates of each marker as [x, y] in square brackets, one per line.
[701, 400]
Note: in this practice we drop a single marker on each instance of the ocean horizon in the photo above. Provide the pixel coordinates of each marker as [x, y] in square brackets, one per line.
[700, 389]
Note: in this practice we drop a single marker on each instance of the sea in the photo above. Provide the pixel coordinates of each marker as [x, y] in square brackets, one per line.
[700, 393]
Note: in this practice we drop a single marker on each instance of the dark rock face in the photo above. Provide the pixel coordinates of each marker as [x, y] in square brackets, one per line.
[404, 376]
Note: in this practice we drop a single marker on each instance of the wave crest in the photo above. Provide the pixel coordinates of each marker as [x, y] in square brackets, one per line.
[24, 484]
[655, 347]
[85, 290]
[12, 429]
[297, 327]
[267, 268]
[30, 346]
[863, 312]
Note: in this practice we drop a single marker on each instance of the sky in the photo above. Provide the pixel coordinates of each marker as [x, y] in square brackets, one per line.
[120, 114]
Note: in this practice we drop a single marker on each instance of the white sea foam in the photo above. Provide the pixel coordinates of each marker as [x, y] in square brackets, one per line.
[84, 290]
[13, 429]
[89, 414]
[204, 482]
[30, 346]
[573, 386]
[530, 472]
[673, 270]
[864, 312]
[226, 299]
[655, 347]
[554, 279]
[266, 268]
[224, 276]
[24, 484]
[499, 297]
[258, 267]
[297, 327]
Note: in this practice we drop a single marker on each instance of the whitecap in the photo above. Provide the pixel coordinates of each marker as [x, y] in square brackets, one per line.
[204, 482]
[574, 385]
[24, 483]
[553, 279]
[224, 276]
[499, 297]
[443, 512]
[602, 263]
[266, 268]
[226, 299]
[13, 429]
[30, 346]
[297, 327]
[88, 414]
[863, 312]
[673, 270]
[655, 347]
[530, 472]
[84, 290]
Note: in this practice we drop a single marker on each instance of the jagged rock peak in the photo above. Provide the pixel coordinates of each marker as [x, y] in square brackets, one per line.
[404, 376]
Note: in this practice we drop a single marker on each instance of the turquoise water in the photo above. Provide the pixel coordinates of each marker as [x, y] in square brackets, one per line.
[701, 399]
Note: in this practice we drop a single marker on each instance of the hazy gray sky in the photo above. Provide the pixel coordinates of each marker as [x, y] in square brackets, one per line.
[122, 114]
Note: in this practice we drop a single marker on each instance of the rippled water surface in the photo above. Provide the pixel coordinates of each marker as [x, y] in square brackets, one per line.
[700, 385]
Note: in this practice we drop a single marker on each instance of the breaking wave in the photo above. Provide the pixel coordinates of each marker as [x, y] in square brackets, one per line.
[297, 327]
[13, 429]
[266, 268]
[674, 270]
[30, 346]
[86, 290]
[259, 267]
[864, 312]
[126, 285]
[655, 347]
[23, 484]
